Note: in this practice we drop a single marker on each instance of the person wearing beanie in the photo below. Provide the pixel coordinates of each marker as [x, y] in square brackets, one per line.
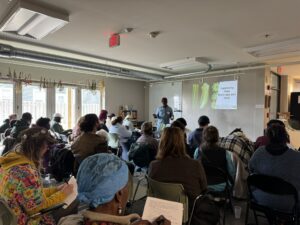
[102, 182]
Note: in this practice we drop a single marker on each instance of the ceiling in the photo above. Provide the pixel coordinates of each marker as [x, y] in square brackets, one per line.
[217, 30]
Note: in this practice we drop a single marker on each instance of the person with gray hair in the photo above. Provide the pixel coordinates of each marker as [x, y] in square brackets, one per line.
[147, 136]
[102, 182]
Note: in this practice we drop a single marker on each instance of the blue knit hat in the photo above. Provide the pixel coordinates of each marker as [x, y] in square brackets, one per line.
[99, 178]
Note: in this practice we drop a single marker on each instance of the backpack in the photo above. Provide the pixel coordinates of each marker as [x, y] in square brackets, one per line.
[141, 154]
[61, 164]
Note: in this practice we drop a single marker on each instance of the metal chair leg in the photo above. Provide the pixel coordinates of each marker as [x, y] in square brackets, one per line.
[255, 217]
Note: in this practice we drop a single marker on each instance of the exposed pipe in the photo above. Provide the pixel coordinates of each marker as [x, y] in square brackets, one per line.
[10, 52]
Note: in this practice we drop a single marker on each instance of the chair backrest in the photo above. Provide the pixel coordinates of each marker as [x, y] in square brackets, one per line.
[271, 185]
[7, 217]
[169, 191]
[113, 140]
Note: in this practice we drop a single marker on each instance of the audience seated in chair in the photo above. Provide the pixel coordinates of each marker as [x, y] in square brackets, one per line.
[276, 159]
[195, 137]
[147, 136]
[7, 123]
[123, 133]
[173, 165]
[20, 125]
[102, 120]
[238, 143]
[20, 179]
[88, 143]
[211, 154]
[103, 185]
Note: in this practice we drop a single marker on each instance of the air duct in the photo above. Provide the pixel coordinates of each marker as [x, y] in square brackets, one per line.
[10, 52]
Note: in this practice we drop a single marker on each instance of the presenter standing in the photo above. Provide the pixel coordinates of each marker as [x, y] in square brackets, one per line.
[163, 114]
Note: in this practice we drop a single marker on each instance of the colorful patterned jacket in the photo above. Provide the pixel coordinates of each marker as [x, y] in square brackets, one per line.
[21, 187]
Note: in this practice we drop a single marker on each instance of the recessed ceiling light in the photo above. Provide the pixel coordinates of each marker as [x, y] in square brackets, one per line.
[33, 20]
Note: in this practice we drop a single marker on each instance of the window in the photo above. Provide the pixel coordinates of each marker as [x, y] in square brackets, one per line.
[65, 105]
[6, 100]
[90, 102]
[34, 101]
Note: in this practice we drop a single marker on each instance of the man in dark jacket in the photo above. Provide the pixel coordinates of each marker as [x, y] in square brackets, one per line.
[6, 123]
[195, 137]
[21, 125]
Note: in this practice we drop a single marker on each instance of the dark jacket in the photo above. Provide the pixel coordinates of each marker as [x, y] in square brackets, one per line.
[4, 126]
[195, 138]
[19, 126]
[186, 171]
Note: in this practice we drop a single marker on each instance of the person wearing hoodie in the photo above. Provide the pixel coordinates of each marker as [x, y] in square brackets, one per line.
[21, 185]
[21, 125]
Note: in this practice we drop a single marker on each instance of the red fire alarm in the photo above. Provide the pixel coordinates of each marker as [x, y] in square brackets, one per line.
[114, 40]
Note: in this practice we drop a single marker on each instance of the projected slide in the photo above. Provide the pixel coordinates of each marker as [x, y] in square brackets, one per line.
[219, 95]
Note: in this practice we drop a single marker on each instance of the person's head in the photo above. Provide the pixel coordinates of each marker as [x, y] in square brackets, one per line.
[43, 122]
[164, 101]
[210, 136]
[27, 117]
[111, 115]
[171, 143]
[103, 115]
[178, 124]
[57, 117]
[90, 123]
[12, 117]
[34, 143]
[147, 128]
[277, 134]
[203, 121]
[103, 183]
[279, 122]
[183, 121]
[116, 120]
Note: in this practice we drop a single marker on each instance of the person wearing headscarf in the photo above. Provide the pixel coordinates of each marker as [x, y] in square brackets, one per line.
[102, 182]
[102, 120]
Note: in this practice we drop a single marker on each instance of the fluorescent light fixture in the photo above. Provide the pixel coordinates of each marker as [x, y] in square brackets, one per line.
[33, 20]
[184, 63]
[288, 47]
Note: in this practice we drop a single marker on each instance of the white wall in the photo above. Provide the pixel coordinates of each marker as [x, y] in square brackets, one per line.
[296, 87]
[117, 91]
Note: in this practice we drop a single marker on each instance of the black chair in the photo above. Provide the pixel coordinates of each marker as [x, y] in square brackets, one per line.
[214, 176]
[277, 187]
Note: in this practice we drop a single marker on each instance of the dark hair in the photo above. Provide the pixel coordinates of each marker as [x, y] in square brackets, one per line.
[178, 124]
[236, 130]
[89, 122]
[119, 119]
[277, 134]
[210, 136]
[31, 141]
[147, 128]
[279, 122]
[203, 121]
[103, 115]
[27, 116]
[172, 144]
[182, 120]
[43, 122]
[12, 123]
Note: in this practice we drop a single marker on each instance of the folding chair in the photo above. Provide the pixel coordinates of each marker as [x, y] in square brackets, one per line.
[277, 187]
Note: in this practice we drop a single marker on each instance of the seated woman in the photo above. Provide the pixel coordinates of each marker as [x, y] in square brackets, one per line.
[173, 165]
[21, 186]
[103, 185]
[88, 142]
[147, 136]
[123, 133]
[102, 120]
[276, 159]
[211, 154]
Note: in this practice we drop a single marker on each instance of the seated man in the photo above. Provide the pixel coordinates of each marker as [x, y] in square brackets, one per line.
[21, 125]
[278, 160]
[57, 127]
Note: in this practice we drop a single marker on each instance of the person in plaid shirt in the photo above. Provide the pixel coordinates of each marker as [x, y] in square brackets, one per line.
[238, 143]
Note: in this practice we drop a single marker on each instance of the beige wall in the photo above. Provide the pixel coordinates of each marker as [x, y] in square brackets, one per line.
[117, 91]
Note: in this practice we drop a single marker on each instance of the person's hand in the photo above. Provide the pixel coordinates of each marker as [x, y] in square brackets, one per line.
[67, 189]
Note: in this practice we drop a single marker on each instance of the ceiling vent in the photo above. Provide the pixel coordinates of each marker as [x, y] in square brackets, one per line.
[288, 47]
[186, 63]
[33, 20]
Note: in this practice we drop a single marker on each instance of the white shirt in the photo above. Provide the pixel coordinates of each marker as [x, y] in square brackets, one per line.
[123, 133]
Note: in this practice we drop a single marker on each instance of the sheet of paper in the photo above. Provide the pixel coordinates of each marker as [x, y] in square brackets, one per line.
[73, 195]
[155, 207]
